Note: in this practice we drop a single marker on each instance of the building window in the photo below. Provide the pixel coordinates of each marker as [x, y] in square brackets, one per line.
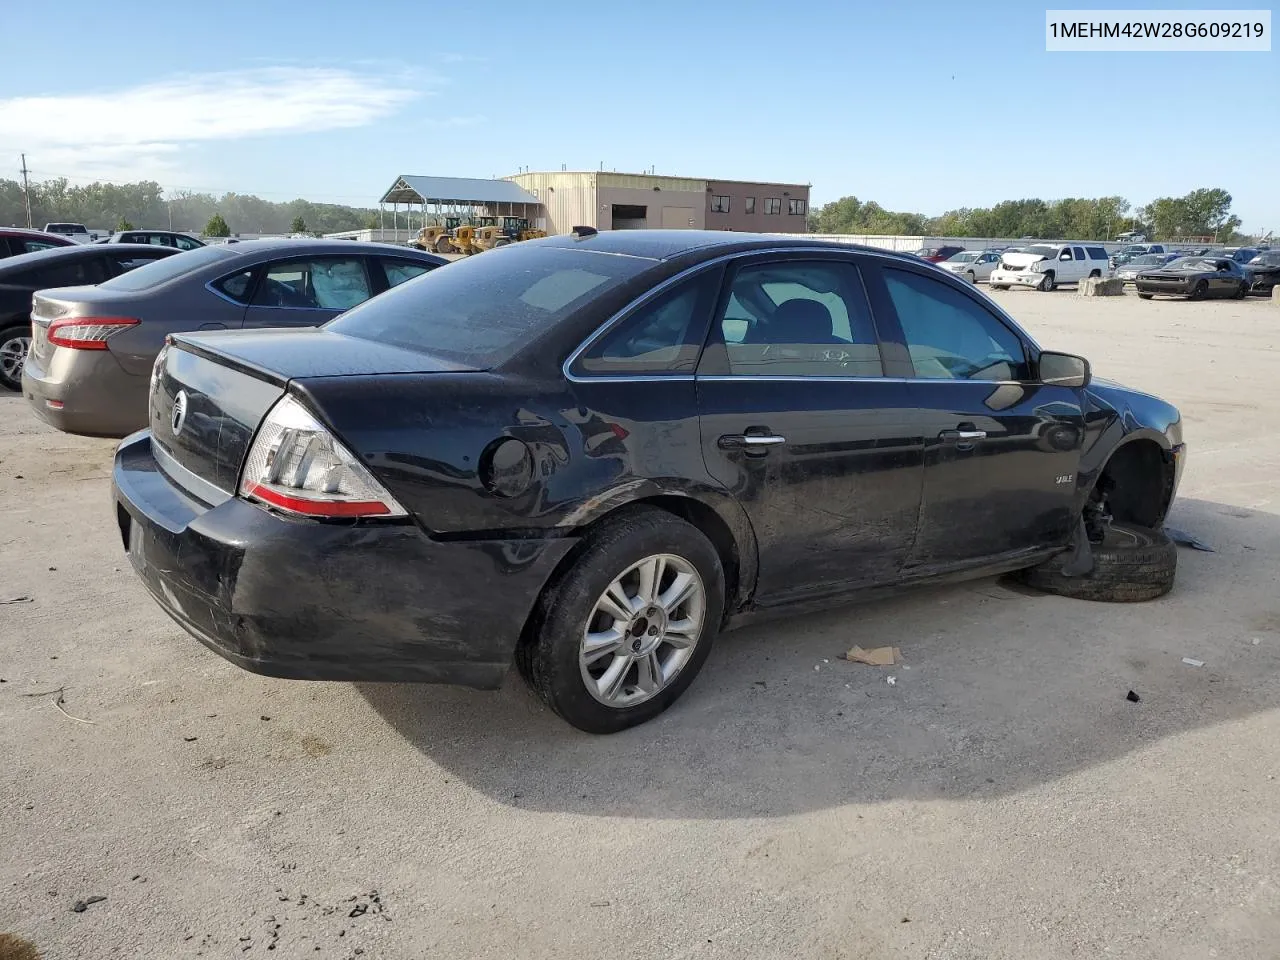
[772, 205]
[797, 208]
[719, 204]
[751, 204]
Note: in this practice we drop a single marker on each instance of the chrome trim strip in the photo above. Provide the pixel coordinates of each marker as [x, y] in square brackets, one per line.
[176, 472]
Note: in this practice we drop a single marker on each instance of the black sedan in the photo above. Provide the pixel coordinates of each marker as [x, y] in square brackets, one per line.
[55, 266]
[1264, 272]
[591, 453]
[1196, 277]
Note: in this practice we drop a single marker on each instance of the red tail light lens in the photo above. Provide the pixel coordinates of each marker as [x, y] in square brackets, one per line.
[87, 333]
[297, 466]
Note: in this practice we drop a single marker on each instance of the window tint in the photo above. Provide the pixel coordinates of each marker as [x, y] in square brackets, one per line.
[162, 271]
[131, 261]
[749, 204]
[1097, 253]
[398, 271]
[186, 243]
[772, 205]
[483, 309]
[800, 319]
[949, 335]
[663, 336]
[236, 286]
[322, 283]
[719, 204]
[1078, 252]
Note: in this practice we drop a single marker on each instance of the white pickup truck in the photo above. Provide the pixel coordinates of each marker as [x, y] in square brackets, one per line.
[1047, 265]
[75, 232]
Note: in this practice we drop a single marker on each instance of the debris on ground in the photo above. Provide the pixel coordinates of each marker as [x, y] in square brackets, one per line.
[876, 657]
[1192, 662]
[80, 906]
[1132, 697]
[18, 600]
[891, 681]
[1187, 540]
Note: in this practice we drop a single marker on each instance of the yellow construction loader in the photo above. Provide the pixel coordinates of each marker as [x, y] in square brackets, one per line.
[491, 232]
[438, 237]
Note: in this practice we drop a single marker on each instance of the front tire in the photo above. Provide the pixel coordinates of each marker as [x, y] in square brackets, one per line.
[622, 634]
[1046, 283]
[1131, 564]
[15, 343]
[1242, 292]
[1200, 290]
[999, 286]
[972, 277]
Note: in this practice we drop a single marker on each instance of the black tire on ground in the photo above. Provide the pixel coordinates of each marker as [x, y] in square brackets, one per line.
[971, 277]
[1131, 564]
[548, 655]
[1146, 296]
[14, 342]
[999, 286]
[443, 245]
[1095, 273]
[1200, 290]
[1243, 291]
[1047, 283]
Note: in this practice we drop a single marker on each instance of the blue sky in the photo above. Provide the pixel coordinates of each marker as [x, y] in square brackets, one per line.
[921, 105]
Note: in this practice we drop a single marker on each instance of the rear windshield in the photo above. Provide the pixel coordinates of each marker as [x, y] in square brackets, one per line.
[481, 311]
[162, 271]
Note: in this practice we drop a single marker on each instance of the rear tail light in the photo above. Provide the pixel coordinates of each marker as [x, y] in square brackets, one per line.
[87, 333]
[295, 465]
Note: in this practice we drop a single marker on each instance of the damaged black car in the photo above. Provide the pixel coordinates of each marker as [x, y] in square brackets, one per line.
[590, 454]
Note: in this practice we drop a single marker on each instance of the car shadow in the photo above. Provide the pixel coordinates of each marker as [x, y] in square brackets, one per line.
[999, 690]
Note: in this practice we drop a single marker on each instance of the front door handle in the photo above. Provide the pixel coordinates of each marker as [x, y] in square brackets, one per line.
[962, 436]
[739, 441]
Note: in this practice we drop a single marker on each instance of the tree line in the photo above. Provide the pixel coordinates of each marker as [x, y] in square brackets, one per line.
[1201, 213]
[145, 204]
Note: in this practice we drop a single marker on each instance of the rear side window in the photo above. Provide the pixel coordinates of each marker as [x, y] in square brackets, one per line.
[481, 311]
[1079, 253]
[69, 274]
[1096, 253]
[398, 271]
[662, 336]
[236, 287]
[162, 271]
[123, 263]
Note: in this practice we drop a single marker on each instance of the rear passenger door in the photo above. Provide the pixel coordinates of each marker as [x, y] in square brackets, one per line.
[307, 291]
[801, 420]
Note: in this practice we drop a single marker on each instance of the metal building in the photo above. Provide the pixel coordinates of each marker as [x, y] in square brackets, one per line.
[436, 197]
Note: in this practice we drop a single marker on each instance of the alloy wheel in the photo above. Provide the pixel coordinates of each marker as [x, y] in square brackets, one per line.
[642, 630]
[13, 354]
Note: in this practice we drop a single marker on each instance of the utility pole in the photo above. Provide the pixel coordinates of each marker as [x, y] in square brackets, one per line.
[26, 189]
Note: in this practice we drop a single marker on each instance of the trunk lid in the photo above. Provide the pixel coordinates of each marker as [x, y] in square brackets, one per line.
[229, 380]
[86, 301]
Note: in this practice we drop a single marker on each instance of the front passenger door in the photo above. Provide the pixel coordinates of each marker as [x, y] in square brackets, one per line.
[307, 291]
[1001, 450]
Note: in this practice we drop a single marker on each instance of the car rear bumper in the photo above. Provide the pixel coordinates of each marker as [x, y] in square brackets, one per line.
[327, 601]
[85, 392]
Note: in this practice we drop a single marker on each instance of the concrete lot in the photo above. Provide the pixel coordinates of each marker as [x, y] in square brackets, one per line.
[1003, 799]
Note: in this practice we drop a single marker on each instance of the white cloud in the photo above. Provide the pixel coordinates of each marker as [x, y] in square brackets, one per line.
[141, 131]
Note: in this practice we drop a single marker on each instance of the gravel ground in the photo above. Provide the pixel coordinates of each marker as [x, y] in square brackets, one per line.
[1002, 799]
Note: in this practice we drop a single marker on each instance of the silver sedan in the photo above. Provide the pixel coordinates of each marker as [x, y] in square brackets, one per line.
[974, 265]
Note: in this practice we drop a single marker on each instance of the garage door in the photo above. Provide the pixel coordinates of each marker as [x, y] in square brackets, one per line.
[677, 218]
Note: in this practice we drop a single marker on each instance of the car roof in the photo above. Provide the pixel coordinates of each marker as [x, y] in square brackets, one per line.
[77, 251]
[292, 244]
[670, 244]
[29, 232]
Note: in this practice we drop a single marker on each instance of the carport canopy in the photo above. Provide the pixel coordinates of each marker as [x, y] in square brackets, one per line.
[456, 191]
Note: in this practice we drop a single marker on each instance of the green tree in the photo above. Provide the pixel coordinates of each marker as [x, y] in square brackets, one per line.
[298, 225]
[217, 227]
[123, 224]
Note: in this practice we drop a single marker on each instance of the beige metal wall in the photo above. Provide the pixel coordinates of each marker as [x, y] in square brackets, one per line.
[569, 198]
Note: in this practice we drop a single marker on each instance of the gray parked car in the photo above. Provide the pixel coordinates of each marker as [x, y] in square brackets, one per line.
[93, 347]
[159, 238]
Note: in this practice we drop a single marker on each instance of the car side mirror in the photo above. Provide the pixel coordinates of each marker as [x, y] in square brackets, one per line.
[1064, 370]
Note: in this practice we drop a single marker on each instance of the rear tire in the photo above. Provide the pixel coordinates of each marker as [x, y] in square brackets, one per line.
[15, 342]
[572, 617]
[1095, 273]
[1146, 296]
[1132, 564]
[1047, 283]
[971, 277]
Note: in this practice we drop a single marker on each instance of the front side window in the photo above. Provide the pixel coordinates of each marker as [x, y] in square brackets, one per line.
[949, 335]
[797, 208]
[324, 283]
[749, 204]
[663, 336]
[398, 271]
[772, 205]
[800, 319]
[719, 204]
[186, 243]
[131, 261]
[31, 246]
